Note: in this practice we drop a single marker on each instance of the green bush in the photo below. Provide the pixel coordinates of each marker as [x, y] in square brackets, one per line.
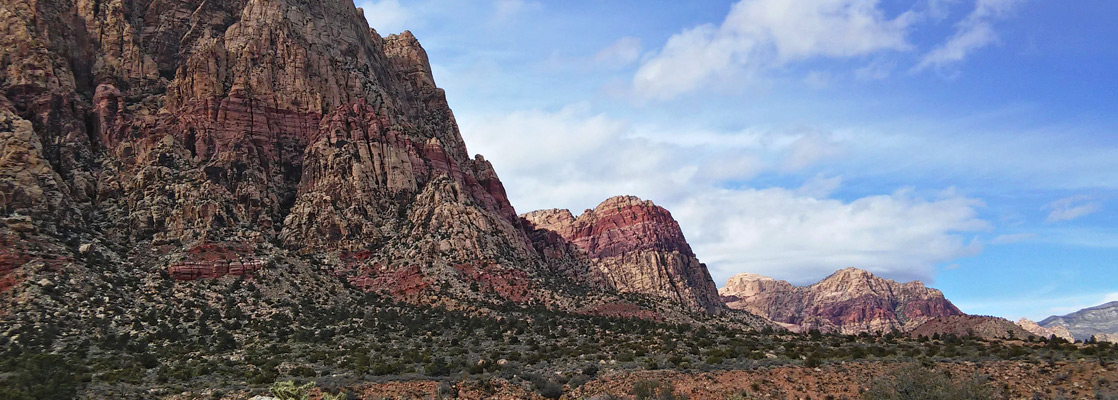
[916, 382]
[38, 376]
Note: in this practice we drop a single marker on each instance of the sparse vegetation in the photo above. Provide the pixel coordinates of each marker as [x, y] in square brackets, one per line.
[916, 382]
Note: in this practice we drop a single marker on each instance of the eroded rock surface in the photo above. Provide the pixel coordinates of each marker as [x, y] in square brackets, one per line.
[194, 140]
[849, 301]
[634, 246]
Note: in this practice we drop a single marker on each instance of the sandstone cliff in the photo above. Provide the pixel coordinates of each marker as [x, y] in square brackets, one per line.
[634, 246]
[849, 301]
[147, 142]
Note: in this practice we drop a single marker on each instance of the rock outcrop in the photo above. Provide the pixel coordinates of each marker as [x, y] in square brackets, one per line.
[979, 326]
[849, 301]
[633, 246]
[194, 140]
[1100, 321]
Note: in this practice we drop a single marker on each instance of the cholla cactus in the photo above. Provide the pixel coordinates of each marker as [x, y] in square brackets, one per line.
[287, 390]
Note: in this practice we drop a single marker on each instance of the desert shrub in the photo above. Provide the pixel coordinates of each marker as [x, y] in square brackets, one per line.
[654, 390]
[915, 382]
[38, 376]
[287, 390]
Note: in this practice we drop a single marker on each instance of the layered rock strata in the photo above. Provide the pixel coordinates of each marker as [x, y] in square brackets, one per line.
[633, 246]
[849, 301]
[194, 140]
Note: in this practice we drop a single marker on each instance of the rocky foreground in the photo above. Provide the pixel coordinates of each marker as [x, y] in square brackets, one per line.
[1007, 379]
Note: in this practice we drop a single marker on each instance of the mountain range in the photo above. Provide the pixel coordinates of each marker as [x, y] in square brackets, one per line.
[849, 301]
[141, 150]
[1100, 322]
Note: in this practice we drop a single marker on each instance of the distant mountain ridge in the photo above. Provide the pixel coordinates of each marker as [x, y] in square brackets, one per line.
[849, 301]
[1100, 321]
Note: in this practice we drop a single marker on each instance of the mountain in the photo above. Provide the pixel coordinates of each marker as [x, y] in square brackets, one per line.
[167, 149]
[979, 326]
[1100, 321]
[1035, 328]
[849, 301]
[634, 246]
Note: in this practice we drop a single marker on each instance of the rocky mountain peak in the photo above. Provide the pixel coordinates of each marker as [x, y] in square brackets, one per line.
[196, 140]
[637, 247]
[850, 300]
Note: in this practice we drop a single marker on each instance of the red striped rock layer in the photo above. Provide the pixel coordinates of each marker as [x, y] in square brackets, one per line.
[633, 246]
[849, 301]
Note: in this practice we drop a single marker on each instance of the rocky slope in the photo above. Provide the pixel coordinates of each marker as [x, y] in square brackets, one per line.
[1100, 321]
[849, 301]
[157, 149]
[1035, 328]
[979, 326]
[634, 246]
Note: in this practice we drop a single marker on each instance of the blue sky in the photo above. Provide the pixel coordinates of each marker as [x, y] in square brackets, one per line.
[969, 144]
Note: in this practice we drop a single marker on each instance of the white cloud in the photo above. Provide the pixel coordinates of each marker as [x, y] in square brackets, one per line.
[1070, 208]
[1110, 297]
[574, 158]
[819, 186]
[1012, 238]
[760, 34]
[780, 233]
[972, 33]
[620, 53]
[386, 16]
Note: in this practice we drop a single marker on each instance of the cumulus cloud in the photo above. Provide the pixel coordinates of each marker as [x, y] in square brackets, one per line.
[760, 34]
[972, 33]
[386, 16]
[781, 233]
[574, 158]
[1069, 208]
[620, 53]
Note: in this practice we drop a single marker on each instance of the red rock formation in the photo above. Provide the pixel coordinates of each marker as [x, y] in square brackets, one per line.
[634, 246]
[848, 301]
[213, 260]
[200, 138]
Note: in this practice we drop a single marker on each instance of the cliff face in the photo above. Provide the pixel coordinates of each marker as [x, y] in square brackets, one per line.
[849, 301]
[634, 246]
[191, 140]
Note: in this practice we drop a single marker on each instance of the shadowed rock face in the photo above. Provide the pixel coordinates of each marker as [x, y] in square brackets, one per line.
[849, 301]
[634, 246]
[1100, 321]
